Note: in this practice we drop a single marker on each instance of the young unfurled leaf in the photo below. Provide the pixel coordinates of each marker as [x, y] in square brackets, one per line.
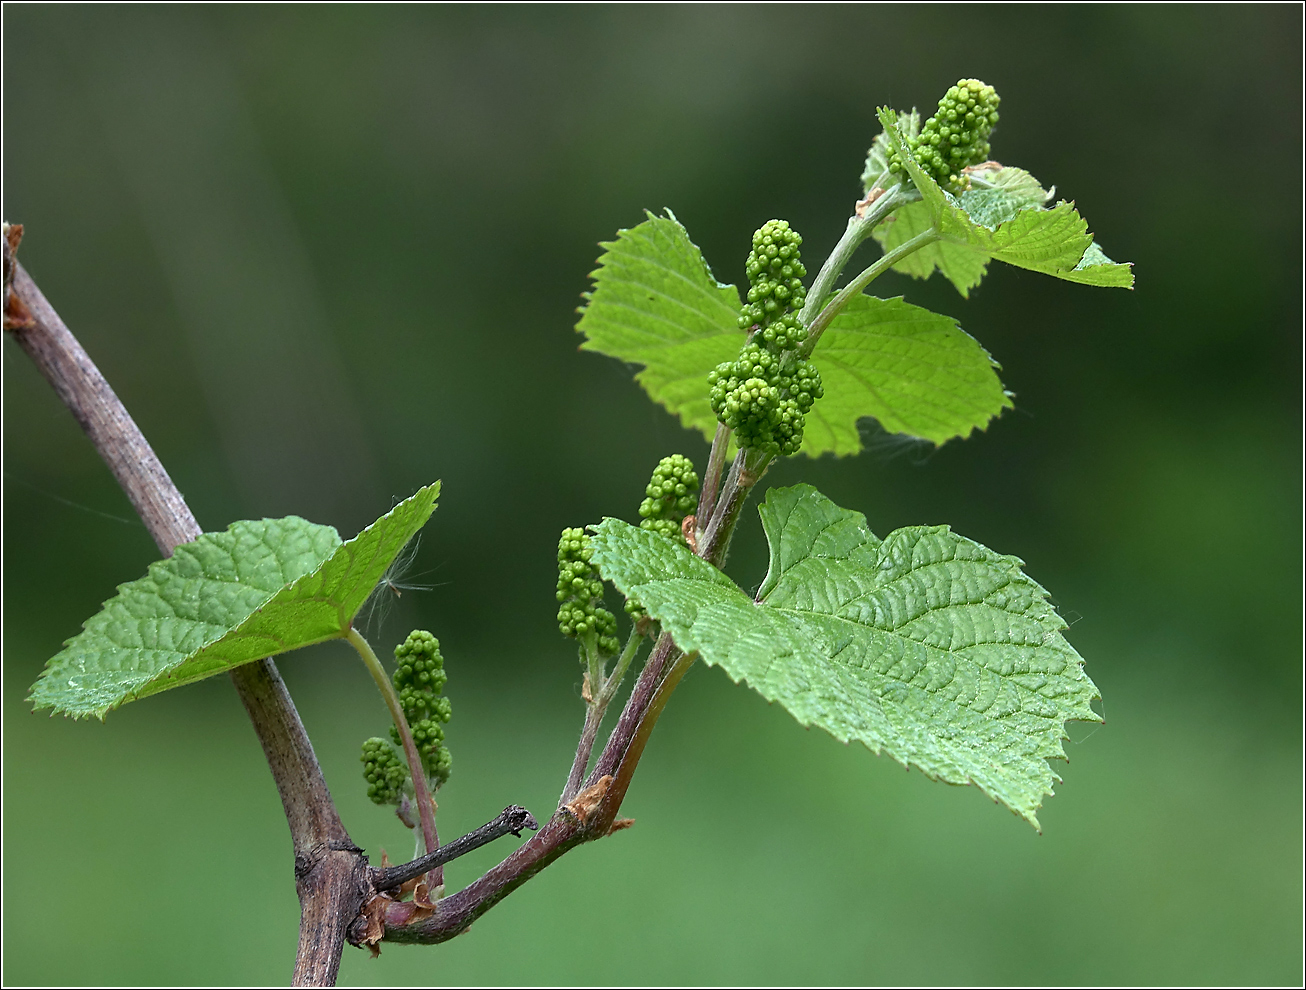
[260, 588]
[880, 151]
[998, 192]
[915, 371]
[925, 645]
[656, 302]
[1054, 241]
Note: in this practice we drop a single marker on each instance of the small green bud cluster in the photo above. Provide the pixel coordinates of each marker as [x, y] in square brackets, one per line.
[765, 393]
[671, 495]
[419, 678]
[384, 771]
[580, 590]
[775, 273]
[956, 136]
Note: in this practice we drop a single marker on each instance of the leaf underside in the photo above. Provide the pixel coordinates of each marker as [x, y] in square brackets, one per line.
[655, 302]
[925, 645]
[260, 588]
[961, 266]
[1005, 224]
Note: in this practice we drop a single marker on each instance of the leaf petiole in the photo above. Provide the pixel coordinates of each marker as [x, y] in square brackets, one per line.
[859, 229]
[613, 680]
[867, 276]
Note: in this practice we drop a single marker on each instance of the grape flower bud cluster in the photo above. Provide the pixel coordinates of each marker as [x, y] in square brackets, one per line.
[671, 494]
[384, 771]
[764, 394]
[580, 591]
[419, 679]
[956, 136]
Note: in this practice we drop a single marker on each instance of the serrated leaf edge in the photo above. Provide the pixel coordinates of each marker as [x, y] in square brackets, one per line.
[1011, 564]
[143, 690]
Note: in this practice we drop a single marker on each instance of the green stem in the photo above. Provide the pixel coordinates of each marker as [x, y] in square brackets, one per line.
[422, 794]
[613, 680]
[601, 693]
[859, 228]
[716, 462]
[745, 472]
[589, 642]
[868, 275]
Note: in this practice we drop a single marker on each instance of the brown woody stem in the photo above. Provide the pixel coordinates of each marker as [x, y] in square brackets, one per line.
[511, 821]
[330, 873]
[616, 792]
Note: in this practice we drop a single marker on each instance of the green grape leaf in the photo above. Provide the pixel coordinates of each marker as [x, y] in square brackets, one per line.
[915, 371]
[655, 302]
[961, 266]
[1095, 268]
[926, 645]
[260, 588]
[1053, 241]
[1023, 188]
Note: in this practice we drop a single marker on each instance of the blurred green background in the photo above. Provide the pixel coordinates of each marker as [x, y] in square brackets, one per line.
[327, 255]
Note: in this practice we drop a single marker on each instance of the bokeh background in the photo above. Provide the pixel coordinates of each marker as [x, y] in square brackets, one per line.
[327, 255]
